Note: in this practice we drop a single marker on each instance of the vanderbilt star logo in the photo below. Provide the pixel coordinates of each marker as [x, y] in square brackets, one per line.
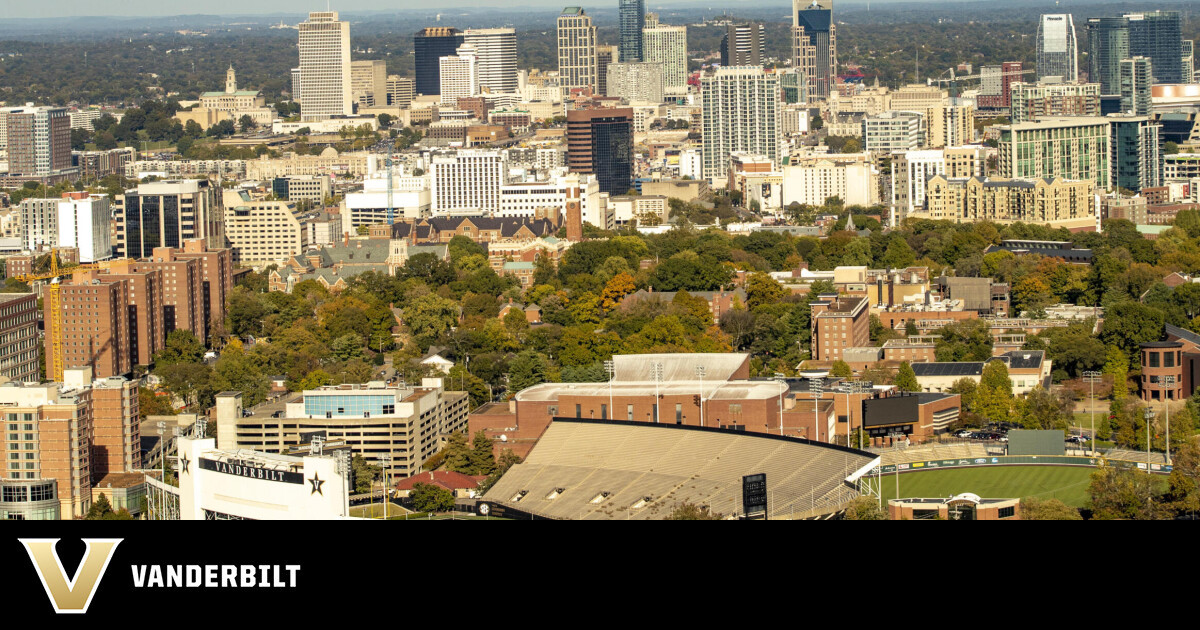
[316, 482]
[183, 464]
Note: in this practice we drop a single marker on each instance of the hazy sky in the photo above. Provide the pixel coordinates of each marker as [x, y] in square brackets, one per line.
[60, 8]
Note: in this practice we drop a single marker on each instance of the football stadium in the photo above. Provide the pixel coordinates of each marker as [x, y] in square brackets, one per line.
[614, 470]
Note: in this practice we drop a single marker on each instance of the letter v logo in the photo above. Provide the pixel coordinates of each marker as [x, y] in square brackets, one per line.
[75, 596]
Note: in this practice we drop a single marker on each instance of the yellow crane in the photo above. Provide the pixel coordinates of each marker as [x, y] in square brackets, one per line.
[54, 302]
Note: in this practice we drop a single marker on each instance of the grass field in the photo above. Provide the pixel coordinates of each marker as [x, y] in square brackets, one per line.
[1067, 484]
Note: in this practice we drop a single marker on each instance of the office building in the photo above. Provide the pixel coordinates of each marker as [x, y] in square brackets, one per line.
[368, 82]
[165, 214]
[605, 56]
[1108, 44]
[408, 423]
[262, 232]
[741, 113]
[893, 132]
[459, 75]
[912, 169]
[83, 223]
[38, 140]
[839, 323]
[636, 81]
[496, 54]
[467, 180]
[314, 188]
[1070, 148]
[1158, 35]
[1137, 160]
[1057, 55]
[19, 337]
[600, 143]
[576, 51]
[814, 45]
[1056, 203]
[324, 67]
[1135, 80]
[400, 91]
[743, 44]
[1037, 100]
[632, 21]
[429, 46]
[668, 45]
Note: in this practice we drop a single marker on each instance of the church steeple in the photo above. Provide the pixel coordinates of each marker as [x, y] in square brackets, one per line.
[230, 80]
[850, 227]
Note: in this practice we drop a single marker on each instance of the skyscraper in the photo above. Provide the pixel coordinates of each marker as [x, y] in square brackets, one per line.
[496, 50]
[576, 50]
[814, 45]
[1137, 160]
[368, 82]
[743, 44]
[1158, 35]
[741, 113]
[1188, 62]
[667, 45]
[633, 20]
[325, 67]
[605, 55]
[1108, 44]
[459, 75]
[1135, 81]
[1057, 55]
[600, 143]
[429, 46]
[38, 140]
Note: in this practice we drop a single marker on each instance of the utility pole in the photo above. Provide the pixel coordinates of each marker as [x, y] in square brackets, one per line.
[1091, 377]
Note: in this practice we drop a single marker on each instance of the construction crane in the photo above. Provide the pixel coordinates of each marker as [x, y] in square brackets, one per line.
[54, 301]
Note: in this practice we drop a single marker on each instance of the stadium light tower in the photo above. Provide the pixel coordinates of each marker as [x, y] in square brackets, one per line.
[816, 385]
[386, 458]
[162, 451]
[700, 372]
[1167, 383]
[656, 371]
[610, 368]
[1091, 377]
[848, 388]
[1148, 414]
[782, 380]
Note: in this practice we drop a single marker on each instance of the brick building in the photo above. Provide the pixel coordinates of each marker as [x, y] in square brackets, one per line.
[839, 323]
[19, 337]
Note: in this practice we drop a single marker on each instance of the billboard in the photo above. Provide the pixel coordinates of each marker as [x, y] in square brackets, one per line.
[1029, 442]
[893, 410]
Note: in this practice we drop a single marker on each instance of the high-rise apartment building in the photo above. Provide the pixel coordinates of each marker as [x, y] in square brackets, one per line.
[368, 82]
[1057, 54]
[496, 52]
[912, 169]
[183, 297]
[636, 81]
[83, 223]
[147, 311]
[576, 50]
[740, 113]
[1137, 160]
[950, 125]
[325, 82]
[632, 21]
[1035, 100]
[1135, 80]
[1070, 148]
[893, 132]
[743, 44]
[459, 75]
[262, 232]
[600, 143]
[1159, 36]
[667, 45]
[216, 267]
[19, 337]
[429, 46]
[839, 323]
[467, 180]
[38, 141]
[165, 214]
[1188, 63]
[95, 326]
[39, 223]
[1055, 203]
[814, 45]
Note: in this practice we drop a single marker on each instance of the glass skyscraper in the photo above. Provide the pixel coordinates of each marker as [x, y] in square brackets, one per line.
[1057, 55]
[1157, 35]
[814, 45]
[430, 45]
[633, 20]
[1108, 44]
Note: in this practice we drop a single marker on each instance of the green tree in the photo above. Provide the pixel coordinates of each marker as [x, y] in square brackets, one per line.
[364, 474]
[865, 509]
[181, 346]
[995, 398]
[102, 510]
[1124, 493]
[430, 316]
[693, 512]
[430, 498]
[527, 369]
[483, 462]
[906, 379]
[841, 369]
[457, 455]
[1039, 509]
[761, 290]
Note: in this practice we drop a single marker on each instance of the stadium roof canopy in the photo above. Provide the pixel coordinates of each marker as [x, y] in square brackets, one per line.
[613, 470]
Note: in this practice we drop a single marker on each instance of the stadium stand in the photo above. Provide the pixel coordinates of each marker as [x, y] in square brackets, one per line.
[604, 470]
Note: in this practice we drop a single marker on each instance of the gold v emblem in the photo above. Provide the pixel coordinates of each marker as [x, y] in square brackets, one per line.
[74, 596]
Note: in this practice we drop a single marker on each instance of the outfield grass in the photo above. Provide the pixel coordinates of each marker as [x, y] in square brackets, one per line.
[1065, 483]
